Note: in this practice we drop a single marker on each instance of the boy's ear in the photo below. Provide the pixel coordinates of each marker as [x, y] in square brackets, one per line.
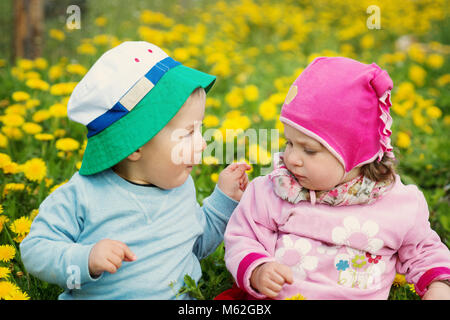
[135, 156]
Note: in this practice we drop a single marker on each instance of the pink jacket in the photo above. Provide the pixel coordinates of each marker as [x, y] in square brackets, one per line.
[348, 252]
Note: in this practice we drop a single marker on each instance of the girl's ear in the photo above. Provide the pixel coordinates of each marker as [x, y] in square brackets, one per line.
[135, 156]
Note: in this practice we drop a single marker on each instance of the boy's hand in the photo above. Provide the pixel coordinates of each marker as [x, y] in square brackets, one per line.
[233, 180]
[269, 278]
[107, 255]
[437, 290]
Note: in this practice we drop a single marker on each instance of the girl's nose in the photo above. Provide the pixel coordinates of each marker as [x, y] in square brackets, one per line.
[294, 159]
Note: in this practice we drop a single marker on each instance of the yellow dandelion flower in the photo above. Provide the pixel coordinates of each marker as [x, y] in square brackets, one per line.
[251, 92]
[3, 220]
[412, 288]
[55, 72]
[210, 160]
[17, 294]
[417, 53]
[40, 63]
[31, 128]
[21, 226]
[434, 112]
[100, 21]
[4, 159]
[86, 48]
[57, 34]
[41, 115]
[4, 272]
[447, 120]
[417, 74]
[399, 280]
[214, 177]
[44, 136]
[212, 102]
[32, 75]
[34, 213]
[76, 69]
[11, 168]
[7, 252]
[6, 289]
[58, 133]
[20, 96]
[435, 60]
[101, 39]
[13, 187]
[62, 89]
[235, 97]
[67, 144]
[12, 133]
[25, 64]
[30, 104]
[58, 185]
[58, 110]
[256, 154]
[267, 110]
[38, 84]
[3, 141]
[403, 140]
[1, 208]
[296, 297]
[35, 169]
[367, 41]
[13, 120]
[211, 121]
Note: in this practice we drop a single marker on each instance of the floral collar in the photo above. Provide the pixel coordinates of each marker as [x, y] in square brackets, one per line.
[360, 190]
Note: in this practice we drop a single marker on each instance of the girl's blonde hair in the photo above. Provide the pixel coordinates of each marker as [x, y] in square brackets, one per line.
[382, 171]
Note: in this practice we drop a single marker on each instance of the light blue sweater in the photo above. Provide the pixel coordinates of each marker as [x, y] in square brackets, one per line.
[167, 230]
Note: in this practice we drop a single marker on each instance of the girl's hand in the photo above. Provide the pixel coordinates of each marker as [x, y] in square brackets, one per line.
[437, 290]
[107, 255]
[233, 180]
[269, 278]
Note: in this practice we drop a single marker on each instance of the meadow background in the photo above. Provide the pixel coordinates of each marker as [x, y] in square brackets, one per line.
[256, 48]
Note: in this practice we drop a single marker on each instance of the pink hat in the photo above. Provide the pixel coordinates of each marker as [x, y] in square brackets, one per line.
[344, 104]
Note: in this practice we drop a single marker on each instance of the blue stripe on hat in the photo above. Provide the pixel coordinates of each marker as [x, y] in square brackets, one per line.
[118, 110]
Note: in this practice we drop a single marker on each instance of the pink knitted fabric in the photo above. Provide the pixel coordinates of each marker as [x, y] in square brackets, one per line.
[344, 104]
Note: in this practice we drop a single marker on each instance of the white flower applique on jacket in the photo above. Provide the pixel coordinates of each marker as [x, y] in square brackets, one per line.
[359, 266]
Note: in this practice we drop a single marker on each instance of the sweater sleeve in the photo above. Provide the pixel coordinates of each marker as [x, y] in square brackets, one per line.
[213, 217]
[50, 251]
[249, 238]
[423, 258]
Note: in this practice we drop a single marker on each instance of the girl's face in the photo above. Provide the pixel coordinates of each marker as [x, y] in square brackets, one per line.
[312, 164]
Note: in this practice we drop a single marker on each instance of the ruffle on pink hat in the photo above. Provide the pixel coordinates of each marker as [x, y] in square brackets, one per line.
[344, 104]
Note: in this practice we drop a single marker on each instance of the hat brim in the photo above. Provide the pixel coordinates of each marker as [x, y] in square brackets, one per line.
[144, 121]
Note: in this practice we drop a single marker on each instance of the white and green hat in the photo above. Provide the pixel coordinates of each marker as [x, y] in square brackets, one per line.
[130, 93]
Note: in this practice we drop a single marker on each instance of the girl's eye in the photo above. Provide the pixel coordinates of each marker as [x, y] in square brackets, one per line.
[310, 152]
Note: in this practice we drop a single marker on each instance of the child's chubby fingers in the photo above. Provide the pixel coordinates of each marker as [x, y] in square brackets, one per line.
[109, 266]
[285, 273]
[116, 262]
[125, 252]
[243, 166]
